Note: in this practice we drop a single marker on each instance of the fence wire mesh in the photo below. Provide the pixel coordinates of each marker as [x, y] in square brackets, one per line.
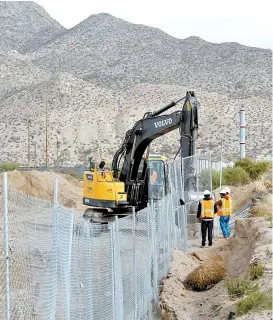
[64, 267]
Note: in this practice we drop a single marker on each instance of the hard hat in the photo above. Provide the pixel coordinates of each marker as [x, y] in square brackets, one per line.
[223, 191]
[206, 193]
[227, 189]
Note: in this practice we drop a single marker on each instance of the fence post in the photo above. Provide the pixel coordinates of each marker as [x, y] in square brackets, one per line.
[135, 271]
[6, 244]
[116, 272]
[154, 252]
[55, 192]
[68, 296]
[221, 172]
[54, 250]
[182, 211]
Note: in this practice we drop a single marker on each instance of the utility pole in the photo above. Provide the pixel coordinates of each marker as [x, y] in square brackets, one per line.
[58, 144]
[35, 155]
[46, 146]
[242, 133]
[28, 143]
[221, 163]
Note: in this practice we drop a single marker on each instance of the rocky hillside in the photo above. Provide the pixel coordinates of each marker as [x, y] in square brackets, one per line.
[25, 26]
[101, 76]
[119, 54]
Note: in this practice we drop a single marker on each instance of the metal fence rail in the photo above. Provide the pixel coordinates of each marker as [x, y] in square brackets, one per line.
[59, 266]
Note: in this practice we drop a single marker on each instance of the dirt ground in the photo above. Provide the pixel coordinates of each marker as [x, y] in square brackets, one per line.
[251, 240]
[41, 185]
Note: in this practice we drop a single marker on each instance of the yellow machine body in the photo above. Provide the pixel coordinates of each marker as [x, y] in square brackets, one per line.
[101, 190]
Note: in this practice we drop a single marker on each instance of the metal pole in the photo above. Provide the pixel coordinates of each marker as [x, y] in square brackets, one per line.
[57, 153]
[135, 261]
[28, 143]
[210, 170]
[69, 283]
[54, 262]
[242, 133]
[35, 155]
[221, 159]
[6, 243]
[56, 192]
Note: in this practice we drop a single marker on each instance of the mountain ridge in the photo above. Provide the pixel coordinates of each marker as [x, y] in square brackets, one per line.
[102, 75]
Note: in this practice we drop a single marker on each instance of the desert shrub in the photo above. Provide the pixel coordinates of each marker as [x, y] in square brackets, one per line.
[268, 253]
[254, 169]
[76, 174]
[9, 166]
[204, 178]
[269, 219]
[255, 301]
[239, 287]
[262, 207]
[205, 276]
[235, 176]
[256, 271]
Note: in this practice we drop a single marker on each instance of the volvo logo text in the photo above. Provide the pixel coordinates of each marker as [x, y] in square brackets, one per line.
[163, 123]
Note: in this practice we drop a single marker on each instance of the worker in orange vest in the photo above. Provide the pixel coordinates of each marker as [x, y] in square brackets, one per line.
[206, 213]
[153, 177]
[224, 210]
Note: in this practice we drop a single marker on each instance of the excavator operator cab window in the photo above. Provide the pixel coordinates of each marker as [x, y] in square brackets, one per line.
[157, 179]
[91, 163]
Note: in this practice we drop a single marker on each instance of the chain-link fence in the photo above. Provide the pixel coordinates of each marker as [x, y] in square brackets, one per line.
[60, 266]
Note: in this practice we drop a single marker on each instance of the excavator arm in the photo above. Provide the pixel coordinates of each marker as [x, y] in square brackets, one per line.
[152, 126]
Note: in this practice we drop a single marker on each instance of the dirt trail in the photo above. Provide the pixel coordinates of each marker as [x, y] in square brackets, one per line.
[251, 240]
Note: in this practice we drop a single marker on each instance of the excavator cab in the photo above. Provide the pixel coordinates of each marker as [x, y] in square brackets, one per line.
[158, 177]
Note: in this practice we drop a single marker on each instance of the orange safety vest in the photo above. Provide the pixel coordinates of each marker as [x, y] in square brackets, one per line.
[154, 177]
[226, 207]
[207, 208]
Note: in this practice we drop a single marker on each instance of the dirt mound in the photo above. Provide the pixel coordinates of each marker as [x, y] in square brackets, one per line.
[242, 195]
[251, 242]
[41, 185]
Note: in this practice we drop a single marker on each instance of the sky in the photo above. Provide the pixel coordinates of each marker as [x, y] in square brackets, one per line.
[247, 22]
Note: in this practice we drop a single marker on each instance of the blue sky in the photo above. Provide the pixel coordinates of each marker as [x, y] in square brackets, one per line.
[246, 22]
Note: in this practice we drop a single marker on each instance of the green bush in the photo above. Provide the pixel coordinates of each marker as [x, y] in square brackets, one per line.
[254, 169]
[256, 271]
[9, 166]
[76, 174]
[235, 176]
[255, 301]
[238, 288]
[204, 179]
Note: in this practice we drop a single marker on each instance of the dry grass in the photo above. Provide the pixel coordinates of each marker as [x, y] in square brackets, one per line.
[268, 184]
[207, 275]
[263, 207]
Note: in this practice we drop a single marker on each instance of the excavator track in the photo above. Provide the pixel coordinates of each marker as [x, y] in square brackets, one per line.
[104, 216]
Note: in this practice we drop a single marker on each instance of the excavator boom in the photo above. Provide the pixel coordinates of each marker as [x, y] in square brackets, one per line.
[136, 142]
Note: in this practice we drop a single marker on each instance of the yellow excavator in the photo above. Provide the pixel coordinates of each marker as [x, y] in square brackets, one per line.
[134, 179]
